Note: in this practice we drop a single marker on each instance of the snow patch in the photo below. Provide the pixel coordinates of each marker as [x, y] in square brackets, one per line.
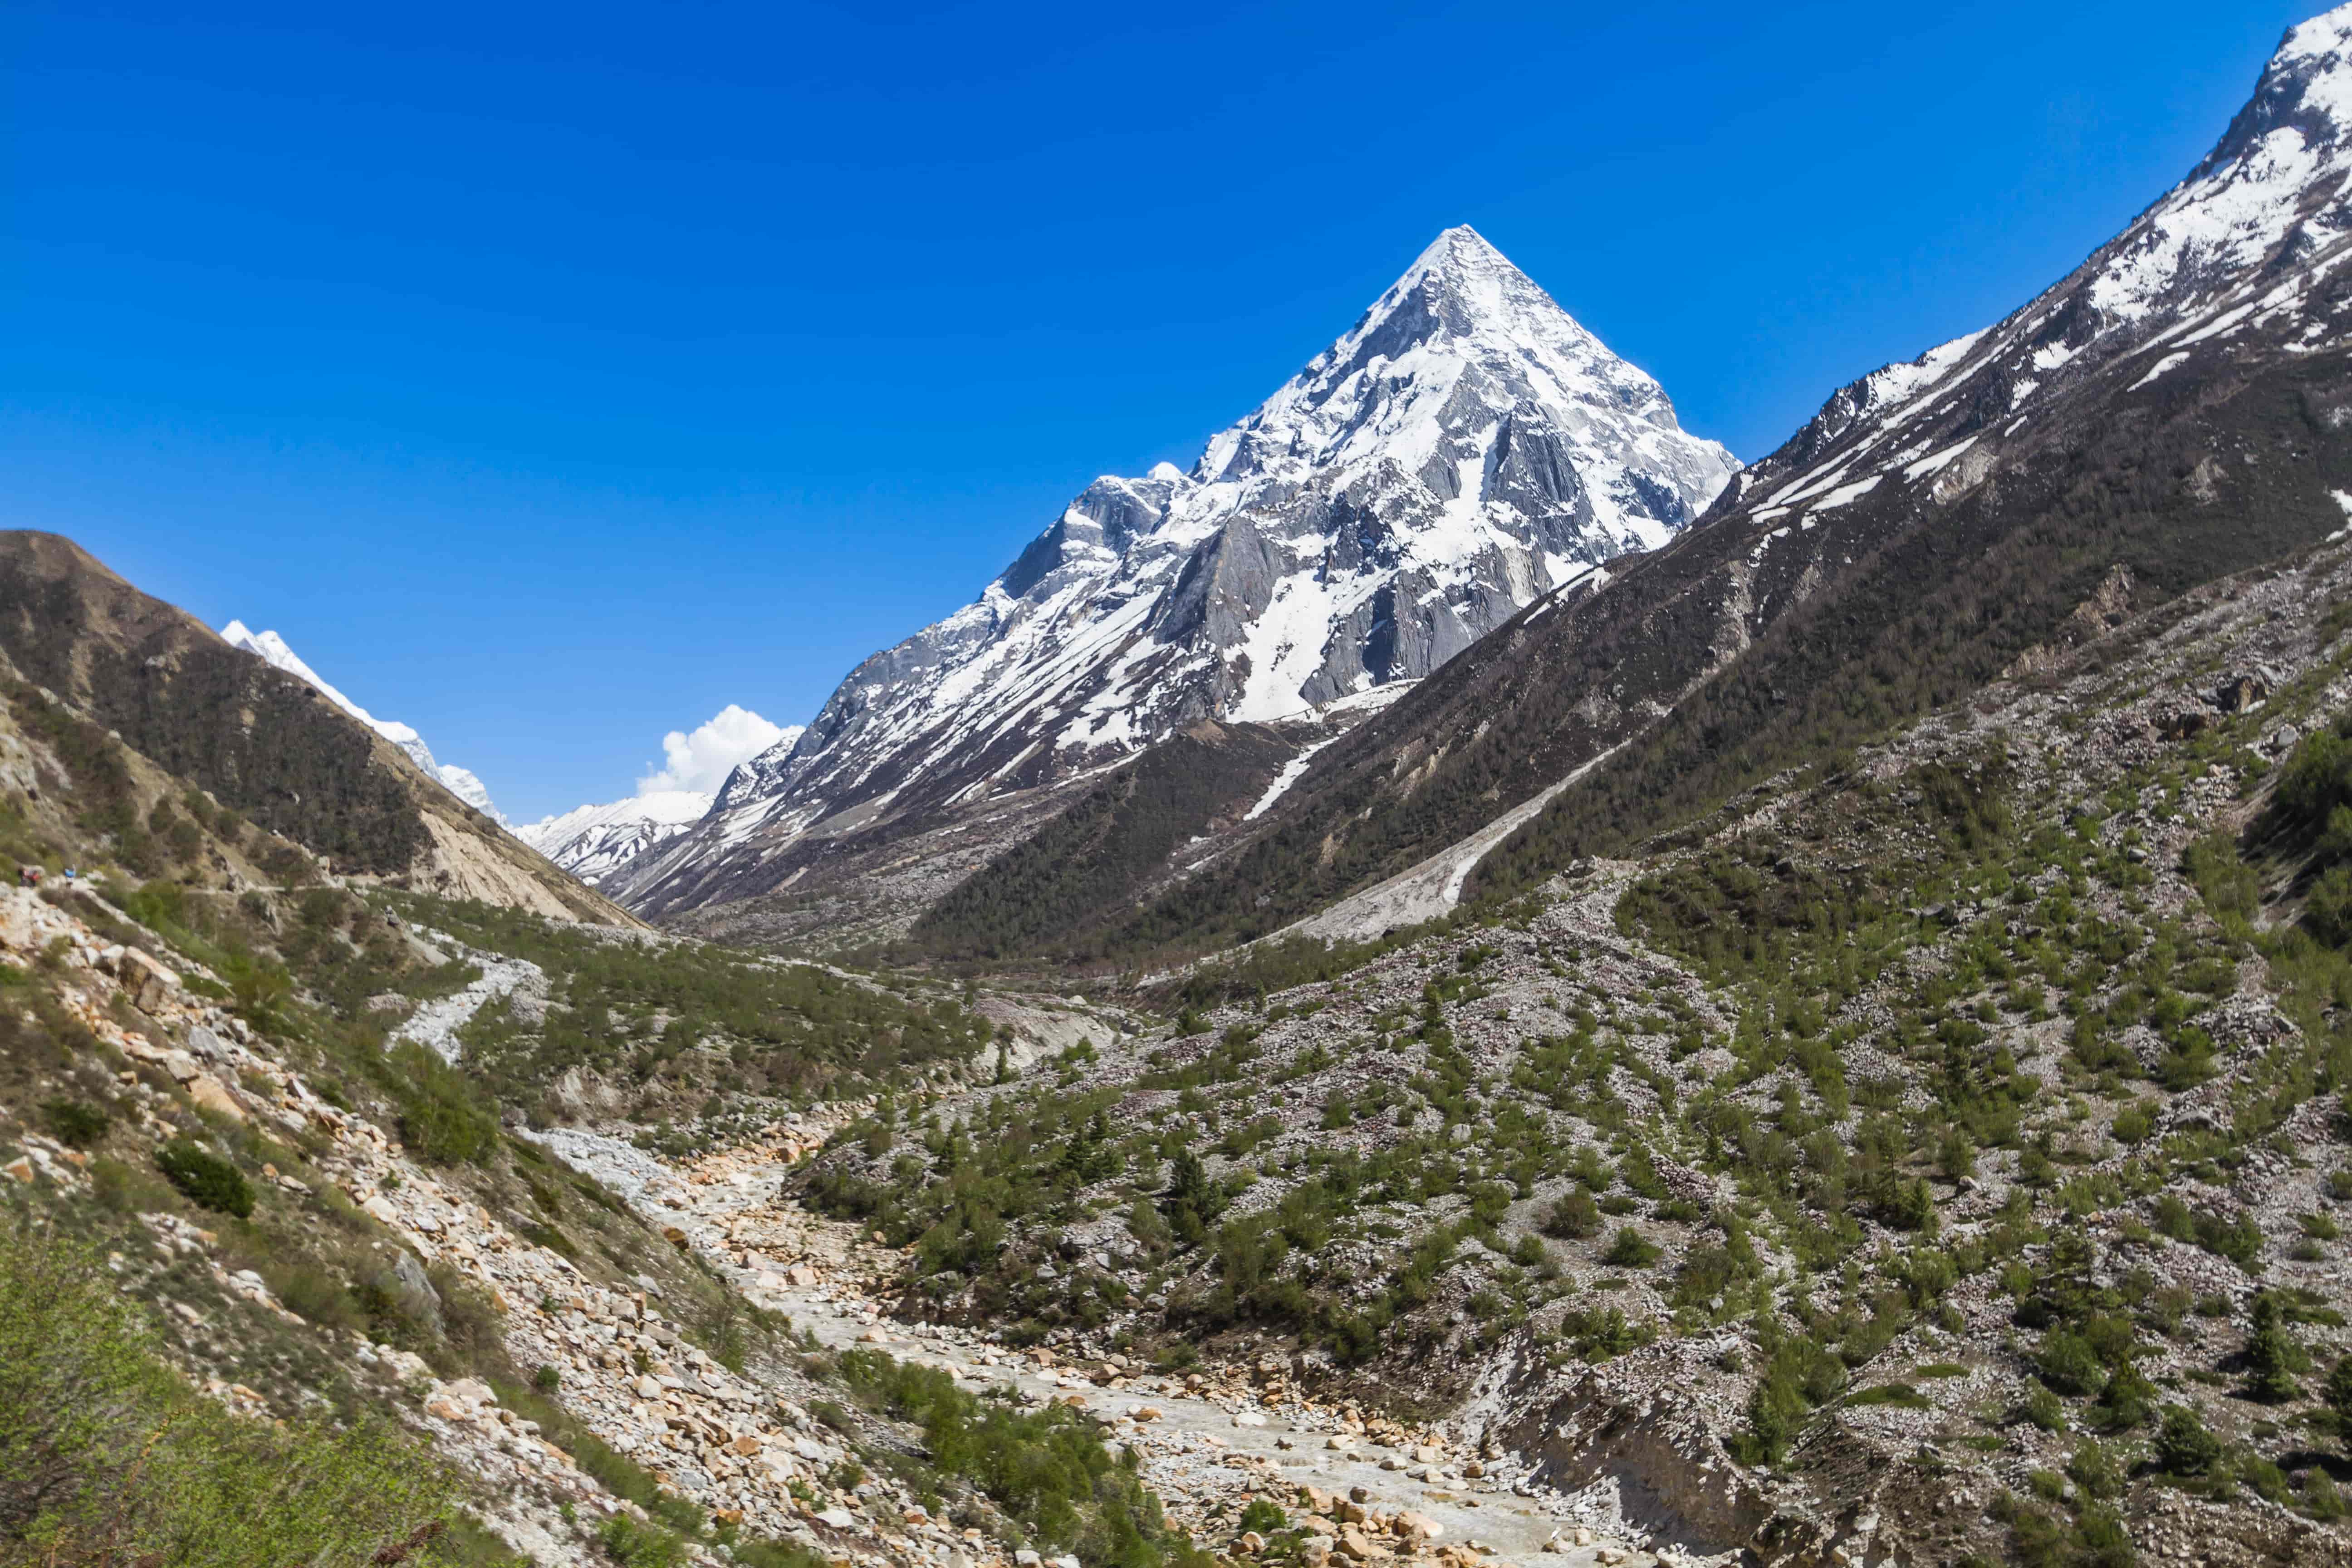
[1846, 495]
[1937, 462]
[2168, 362]
[1292, 772]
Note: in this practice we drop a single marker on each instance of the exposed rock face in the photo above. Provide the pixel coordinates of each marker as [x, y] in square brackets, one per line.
[2178, 408]
[1464, 448]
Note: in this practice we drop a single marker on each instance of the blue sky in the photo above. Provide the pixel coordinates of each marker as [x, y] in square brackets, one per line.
[552, 376]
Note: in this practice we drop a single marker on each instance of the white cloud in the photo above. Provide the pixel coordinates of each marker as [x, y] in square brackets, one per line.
[702, 760]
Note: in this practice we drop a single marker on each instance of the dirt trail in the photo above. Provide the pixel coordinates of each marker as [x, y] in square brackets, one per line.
[1194, 1450]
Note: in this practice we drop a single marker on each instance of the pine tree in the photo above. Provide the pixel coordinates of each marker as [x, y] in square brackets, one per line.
[2339, 1394]
[1775, 1408]
[1193, 1200]
[2183, 1446]
[2273, 1356]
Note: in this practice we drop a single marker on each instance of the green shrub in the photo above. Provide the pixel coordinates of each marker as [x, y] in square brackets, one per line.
[1193, 1200]
[2316, 779]
[260, 989]
[2096, 1470]
[2044, 1409]
[1896, 1394]
[1048, 1470]
[126, 1189]
[2328, 909]
[2068, 1364]
[1263, 1516]
[442, 1117]
[2183, 1446]
[75, 1123]
[2338, 1392]
[778, 1554]
[1574, 1217]
[2273, 1355]
[2101, 1540]
[634, 1544]
[205, 1179]
[1627, 1249]
[312, 1293]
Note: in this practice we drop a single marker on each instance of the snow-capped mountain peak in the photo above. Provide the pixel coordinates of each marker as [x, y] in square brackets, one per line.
[2282, 166]
[273, 649]
[1429, 380]
[1462, 448]
[2240, 251]
[592, 842]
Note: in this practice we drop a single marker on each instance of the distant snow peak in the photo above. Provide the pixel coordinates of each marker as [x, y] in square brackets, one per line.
[1464, 448]
[272, 650]
[592, 842]
[463, 783]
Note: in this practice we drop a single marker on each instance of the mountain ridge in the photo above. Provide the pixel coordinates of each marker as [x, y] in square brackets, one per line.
[1463, 447]
[1935, 521]
[460, 782]
[260, 741]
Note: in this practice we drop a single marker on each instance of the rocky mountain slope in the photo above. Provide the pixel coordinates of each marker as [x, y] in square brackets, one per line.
[1873, 1091]
[459, 782]
[1932, 1156]
[2172, 411]
[1466, 446]
[345, 1226]
[128, 683]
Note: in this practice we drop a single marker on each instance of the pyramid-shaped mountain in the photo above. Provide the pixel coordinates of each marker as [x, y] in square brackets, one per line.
[1464, 449]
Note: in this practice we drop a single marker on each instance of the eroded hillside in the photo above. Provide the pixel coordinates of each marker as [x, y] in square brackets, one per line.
[1936, 1152]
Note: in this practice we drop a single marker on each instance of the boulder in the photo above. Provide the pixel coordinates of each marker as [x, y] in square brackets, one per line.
[211, 1094]
[149, 983]
[417, 1297]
